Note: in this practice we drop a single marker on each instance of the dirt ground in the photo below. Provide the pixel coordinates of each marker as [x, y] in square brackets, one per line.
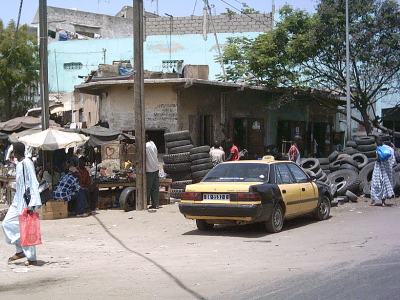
[161, 255]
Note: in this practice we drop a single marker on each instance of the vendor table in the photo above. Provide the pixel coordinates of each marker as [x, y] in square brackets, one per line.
[6, 187]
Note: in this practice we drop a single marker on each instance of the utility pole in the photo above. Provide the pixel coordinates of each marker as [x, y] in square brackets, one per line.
[138, 96]
[348, 95]
[44, 83]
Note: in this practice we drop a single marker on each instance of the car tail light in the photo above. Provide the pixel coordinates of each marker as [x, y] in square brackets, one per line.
[191, 196]
[246, 197]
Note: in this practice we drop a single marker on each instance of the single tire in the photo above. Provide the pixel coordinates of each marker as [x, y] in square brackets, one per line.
[275, 223]
[127, 199]
[365, 140]
[360, 159]
[176, 158]
[180, 184]
[201, 149]
[366, 148]
[201, 167]
[365, 174]
[175, 144]
[177, 168]
[351, 178]
[348, 167]
[201, 161]
[351, 196]
[177, 193]
[177, 136]
[323, 209]
[333, 156]
[396, 185]
[335, 165]
[365, 188]
[323, 177]
[199, 174]
[341, 188]
[352, 144]
[319, 173]
[348, 160]
[311, 174]
[181, 176]
[311, 164]
[323, 161]
[343, 156]
[202, 225]
[350, 151]
[180, 149]
[199, 156]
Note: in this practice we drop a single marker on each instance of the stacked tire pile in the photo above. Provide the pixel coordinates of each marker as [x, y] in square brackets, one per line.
[177, 162]
[313, 168]
[201, 162]
[366, 145]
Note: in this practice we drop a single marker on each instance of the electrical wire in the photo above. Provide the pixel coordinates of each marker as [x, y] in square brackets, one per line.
[244, 13]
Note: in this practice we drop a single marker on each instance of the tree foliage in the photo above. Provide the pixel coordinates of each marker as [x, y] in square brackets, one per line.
[308, 51]
[18, 69]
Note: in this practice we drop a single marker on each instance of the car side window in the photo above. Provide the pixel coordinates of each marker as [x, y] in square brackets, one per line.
[298, 173]
[283, 175]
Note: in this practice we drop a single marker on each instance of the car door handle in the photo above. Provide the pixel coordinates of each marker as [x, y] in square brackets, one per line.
[303, 189]
[284, 191]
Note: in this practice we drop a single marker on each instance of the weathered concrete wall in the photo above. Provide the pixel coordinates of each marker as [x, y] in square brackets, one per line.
[112, 27]
[117, 108]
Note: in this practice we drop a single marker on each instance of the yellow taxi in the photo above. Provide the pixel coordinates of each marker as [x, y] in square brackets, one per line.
[252, 191]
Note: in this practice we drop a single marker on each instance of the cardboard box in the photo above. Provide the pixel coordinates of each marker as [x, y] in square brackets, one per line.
[54, 210]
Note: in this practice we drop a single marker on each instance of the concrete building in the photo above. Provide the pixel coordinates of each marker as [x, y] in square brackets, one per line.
[254, 117]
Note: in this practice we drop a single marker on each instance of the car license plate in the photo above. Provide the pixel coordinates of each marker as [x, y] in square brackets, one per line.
[222, 197]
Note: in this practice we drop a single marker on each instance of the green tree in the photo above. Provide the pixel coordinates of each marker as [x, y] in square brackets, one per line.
[18, 69]
[308, 51]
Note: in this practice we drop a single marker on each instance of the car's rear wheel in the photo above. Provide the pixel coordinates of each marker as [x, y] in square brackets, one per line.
[203, 225]
[323, 210]
[275, 223]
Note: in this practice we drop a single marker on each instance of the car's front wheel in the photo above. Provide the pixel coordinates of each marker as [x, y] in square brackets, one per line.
[275, 223]
[323, 210]
[204, 226]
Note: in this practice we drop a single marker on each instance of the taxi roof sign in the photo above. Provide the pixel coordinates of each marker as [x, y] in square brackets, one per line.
[268, 158]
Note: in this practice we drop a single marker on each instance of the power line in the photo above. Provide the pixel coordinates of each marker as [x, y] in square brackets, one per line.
[19, 15]
[244, 13]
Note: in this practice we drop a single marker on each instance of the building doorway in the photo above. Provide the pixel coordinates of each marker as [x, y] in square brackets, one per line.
[248, 133]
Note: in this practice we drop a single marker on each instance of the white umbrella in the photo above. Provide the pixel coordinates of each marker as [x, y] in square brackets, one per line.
[53, 139]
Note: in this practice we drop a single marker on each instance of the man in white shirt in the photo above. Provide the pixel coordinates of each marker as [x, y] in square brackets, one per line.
[152, 176]
[217, 154]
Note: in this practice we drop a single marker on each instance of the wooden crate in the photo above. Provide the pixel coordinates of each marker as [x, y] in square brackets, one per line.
[54, 210]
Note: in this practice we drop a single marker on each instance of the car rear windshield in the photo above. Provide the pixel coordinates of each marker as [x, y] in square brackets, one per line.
[243, 172]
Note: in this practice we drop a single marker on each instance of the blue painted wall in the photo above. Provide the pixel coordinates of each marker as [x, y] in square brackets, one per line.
[192, 49]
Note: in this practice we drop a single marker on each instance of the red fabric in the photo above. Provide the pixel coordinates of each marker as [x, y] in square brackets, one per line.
[84, 177]
[293, 152]
[29, 225]
[235, 153]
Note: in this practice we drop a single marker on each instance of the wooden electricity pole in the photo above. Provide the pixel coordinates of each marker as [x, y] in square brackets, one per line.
[138, 95]
[44, 83]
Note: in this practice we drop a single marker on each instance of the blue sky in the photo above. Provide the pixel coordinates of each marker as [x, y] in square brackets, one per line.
[9, 8]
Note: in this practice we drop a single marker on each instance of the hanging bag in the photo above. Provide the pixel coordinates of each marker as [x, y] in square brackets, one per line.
[27, 192]
[29, 225]
[383, 153]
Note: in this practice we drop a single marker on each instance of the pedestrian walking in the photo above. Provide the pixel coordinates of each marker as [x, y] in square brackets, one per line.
[152, 174]
[233, 151]
[26, 183]
[294, 152]
[382, 176]
[217, 153]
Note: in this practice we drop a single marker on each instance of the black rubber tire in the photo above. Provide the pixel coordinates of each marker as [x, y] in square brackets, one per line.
[365, 188]
[201, 149]
[360, 159]
[199, 156]
[127, 199]
[275, 223]
[365, 174]
[343, 156]
[323, 211]
[201, 161]
[370, 154]
[319, 173]
[333, 156]
[327, 172]
[176, 158]
[311, 174]
[175, 144]
[177, 136]
[350, 151]
[351, 196]
[341, 188]
[351, 178]
[352, 144]
[396, 180]
[348, 167]
[348, 160]
[366, 148]
[177, 168]
[202, 225]
[324, 167]
[323, 161]
[311, 164]
[396, 168]
[199, 174]
[177, 193]
[323, 177]
[181, 176]
[365, 140]
[180, 184]
[180, 149]
[334, 166]
[201, 167]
